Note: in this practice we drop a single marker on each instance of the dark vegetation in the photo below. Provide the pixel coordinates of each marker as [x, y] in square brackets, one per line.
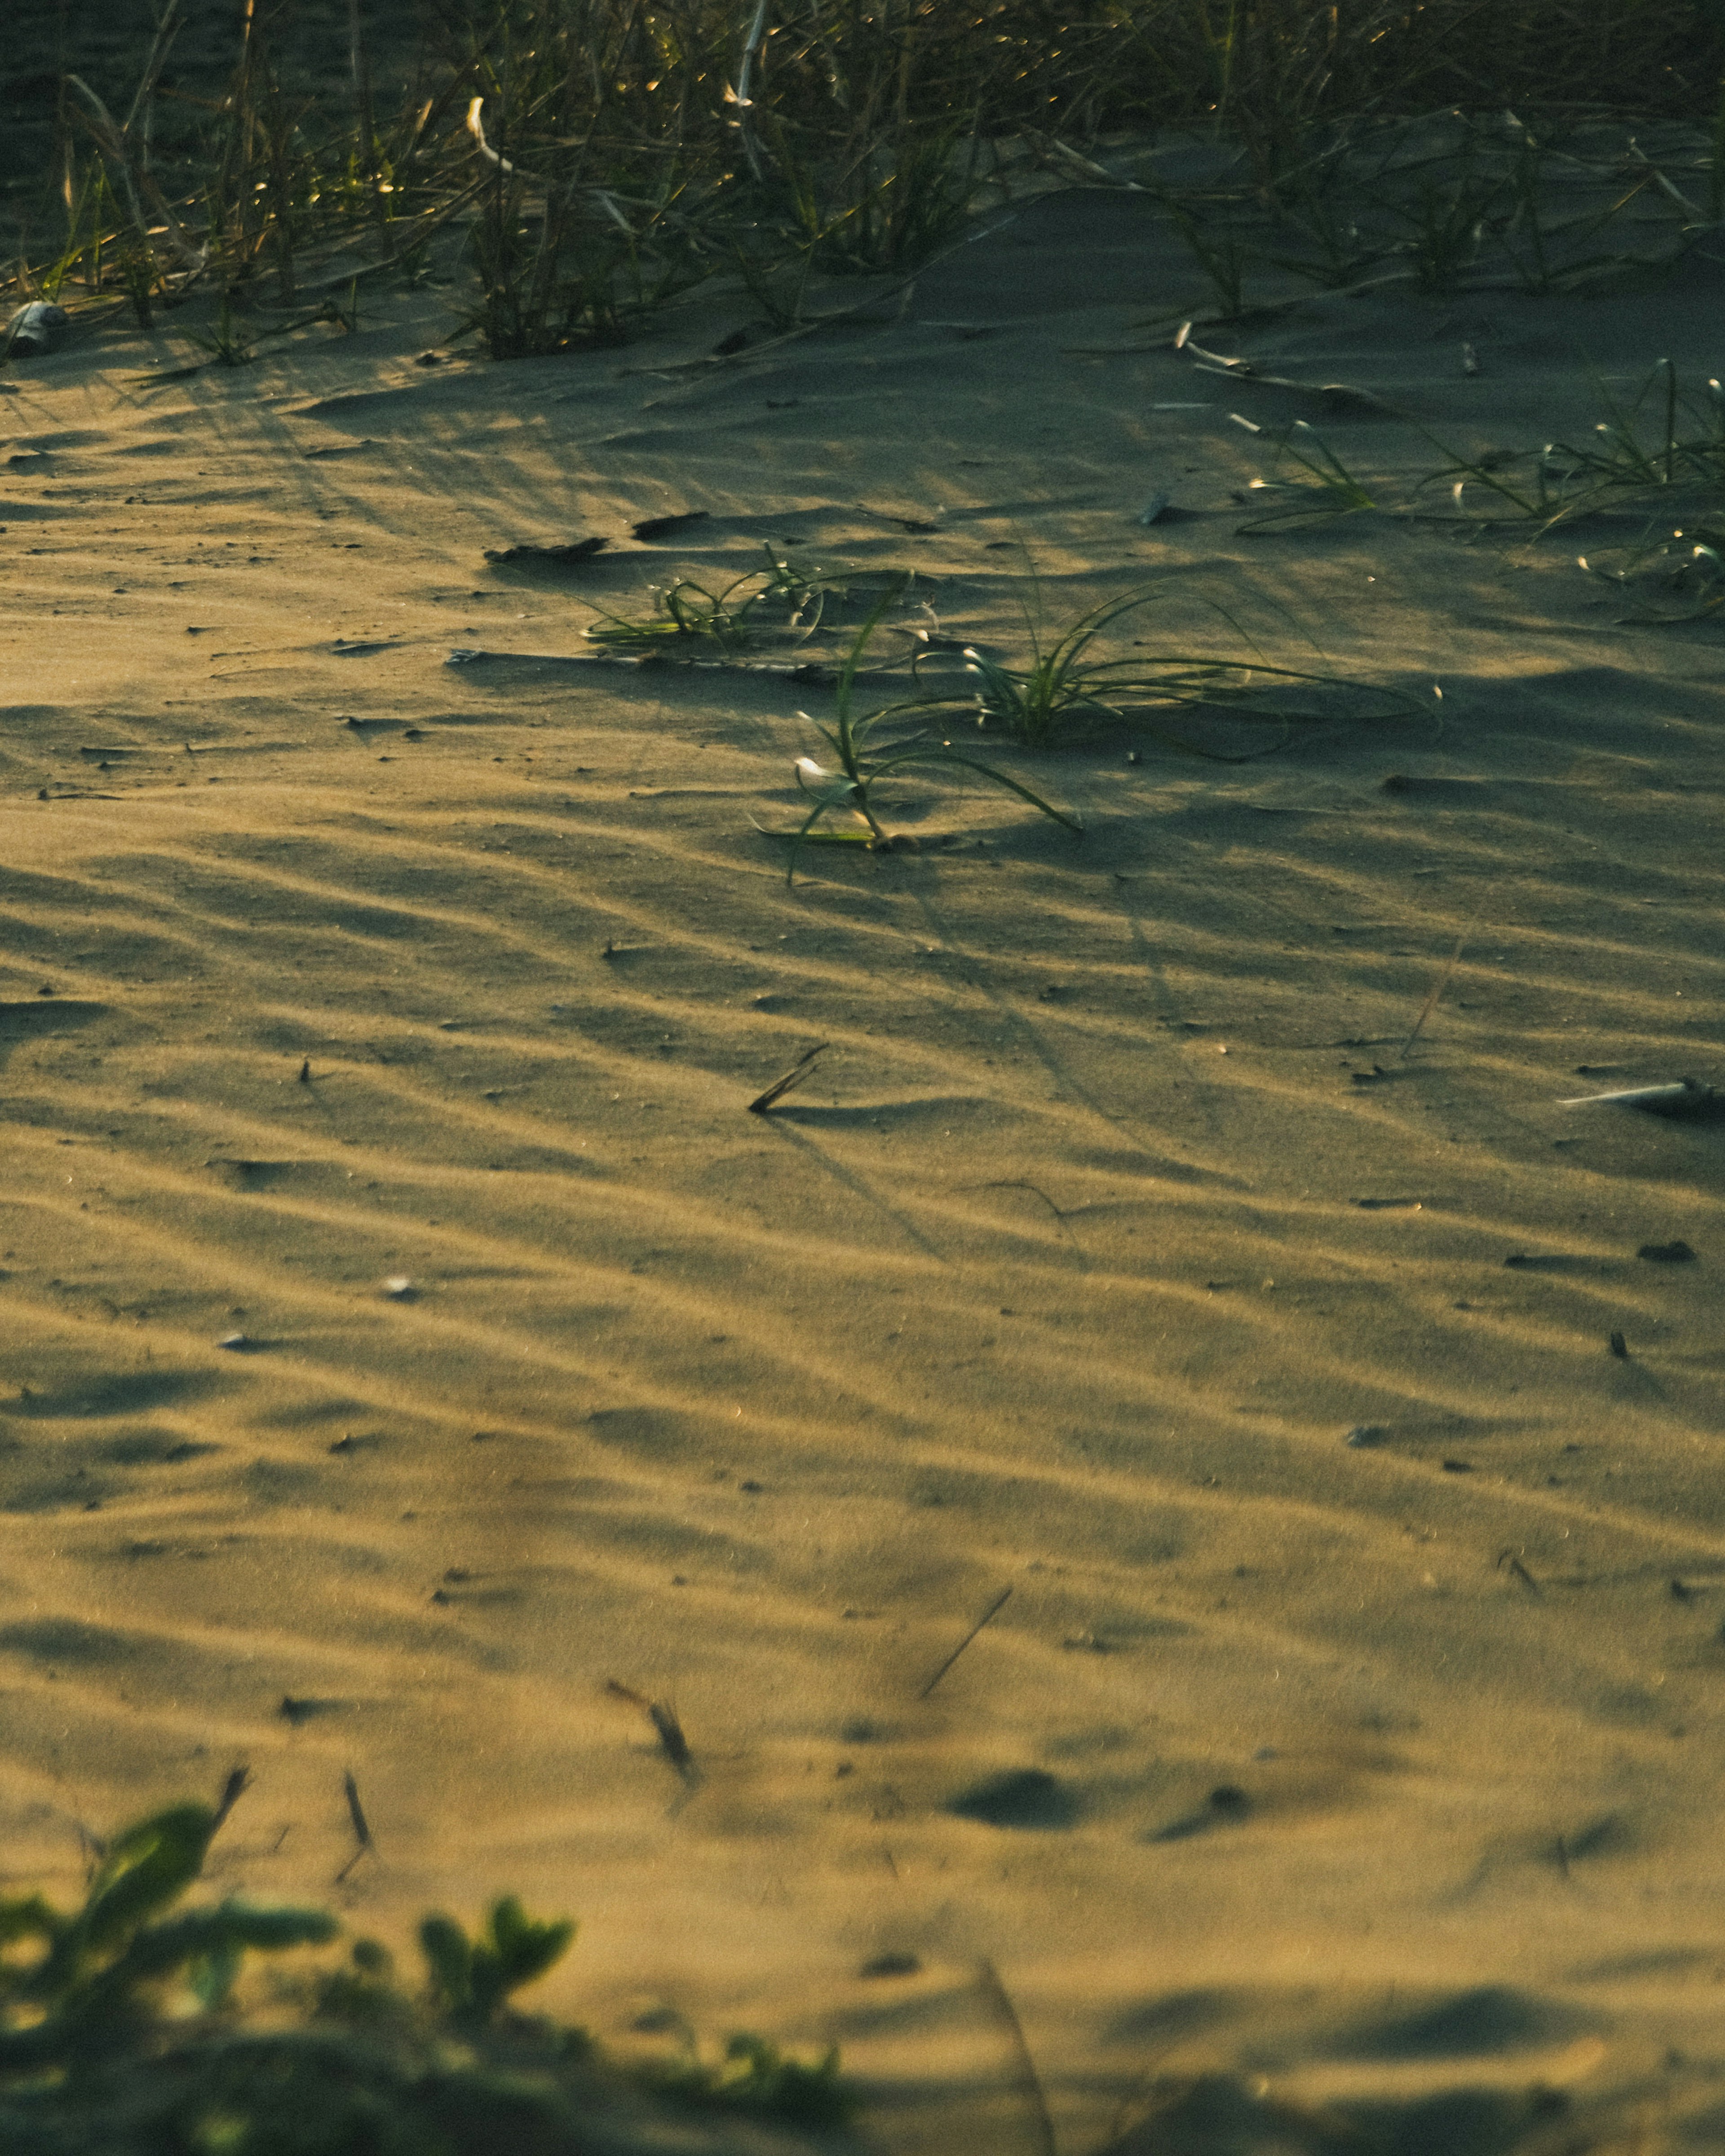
[131, 2026]
[591, 161]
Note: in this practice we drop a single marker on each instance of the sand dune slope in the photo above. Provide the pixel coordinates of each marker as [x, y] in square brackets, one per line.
[1116, 1203]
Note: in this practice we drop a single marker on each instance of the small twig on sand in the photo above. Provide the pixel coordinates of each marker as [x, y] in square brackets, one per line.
[780, 1086]
[987, 1617]
[1518, 1570]
[361, 1828]
[666, 1727]
[1442, 981]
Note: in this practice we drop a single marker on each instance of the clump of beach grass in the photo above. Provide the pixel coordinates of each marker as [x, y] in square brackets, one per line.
[1065, 691]
[1659, 444]
[1330, 490]
[871, 750]
[1062, 697]
[733, 617]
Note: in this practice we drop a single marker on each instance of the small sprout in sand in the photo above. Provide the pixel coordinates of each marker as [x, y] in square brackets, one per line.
[472, 1978]
[225, 340]
[868, 749]
[1330, 489]
[730, 617]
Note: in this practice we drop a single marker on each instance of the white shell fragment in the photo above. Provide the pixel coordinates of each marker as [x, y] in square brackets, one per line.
[399, 1287]
[1687, 1097]
[36, 327]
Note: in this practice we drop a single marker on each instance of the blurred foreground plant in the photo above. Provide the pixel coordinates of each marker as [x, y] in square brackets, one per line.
[124, 2031]
[103, 1969]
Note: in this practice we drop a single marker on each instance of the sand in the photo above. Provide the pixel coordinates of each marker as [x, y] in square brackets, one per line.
[1112, 1207]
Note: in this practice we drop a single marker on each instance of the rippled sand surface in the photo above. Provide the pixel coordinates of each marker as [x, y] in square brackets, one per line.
[1116, 1203]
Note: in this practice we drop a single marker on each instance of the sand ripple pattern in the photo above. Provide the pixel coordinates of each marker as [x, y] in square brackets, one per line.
[1122, 1252]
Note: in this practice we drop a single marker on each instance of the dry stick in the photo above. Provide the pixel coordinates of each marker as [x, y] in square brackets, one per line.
[987, 1617]
[360, 68]
[134, 161]
[780, 1086]
[1442, 981]
[361, 1830]
[1519, 1571]
[671, 1738]
[665, 1724]
[354, 1812]
[1029, 2081]
[112, 140]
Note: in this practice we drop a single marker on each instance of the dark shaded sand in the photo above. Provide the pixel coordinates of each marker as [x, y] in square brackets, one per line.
[1380, 1770]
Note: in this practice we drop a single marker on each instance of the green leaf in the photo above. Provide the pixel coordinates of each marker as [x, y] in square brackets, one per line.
[471, 1981]
[151, 1865]
[1024, 793]
[28, 1918]
[525, 1949]
[449, 1956]
[211, 1975]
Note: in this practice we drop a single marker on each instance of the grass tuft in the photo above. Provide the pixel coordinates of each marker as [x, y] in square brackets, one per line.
[871, 749]
[1067, 692]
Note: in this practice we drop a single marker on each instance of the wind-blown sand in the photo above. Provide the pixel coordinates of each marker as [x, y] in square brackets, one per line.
[1111, 1209]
